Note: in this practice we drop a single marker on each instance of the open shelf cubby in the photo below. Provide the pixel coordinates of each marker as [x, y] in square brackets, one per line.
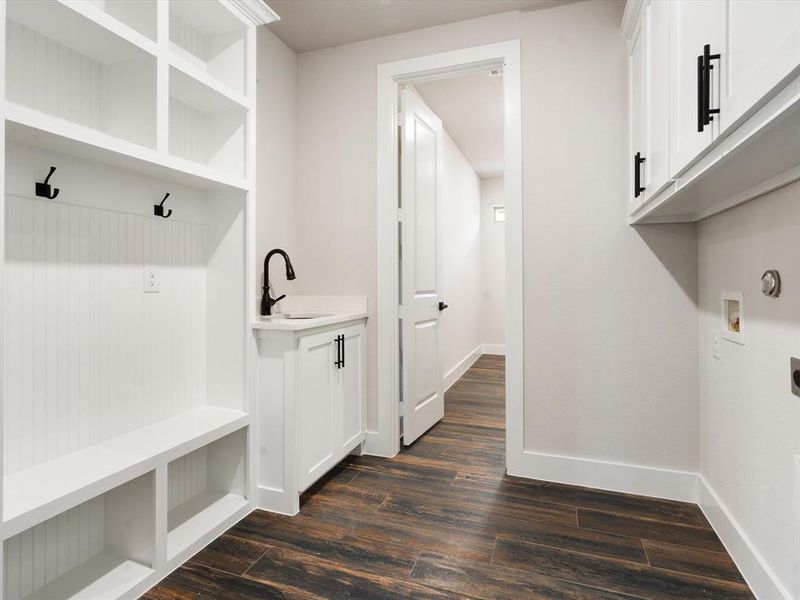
[139, 15]
[103, 548]
[205, 126]
[62, 64]
[205, 486]
[212, 39]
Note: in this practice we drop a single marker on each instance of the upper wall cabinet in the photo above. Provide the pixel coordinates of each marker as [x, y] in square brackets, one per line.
[649, 90]
[720, 77]
[763, 48]
[695, 85]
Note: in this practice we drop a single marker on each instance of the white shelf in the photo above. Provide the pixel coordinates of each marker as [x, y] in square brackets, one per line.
[104, 576]
[34, 128]
[235, 99]
[205, 126]
[190, 521]
[36, 494]
[80, 27]
[210, 37]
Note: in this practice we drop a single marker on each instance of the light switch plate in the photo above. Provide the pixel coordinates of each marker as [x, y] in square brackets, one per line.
[717, 342]
[795, 375]
[152, 279]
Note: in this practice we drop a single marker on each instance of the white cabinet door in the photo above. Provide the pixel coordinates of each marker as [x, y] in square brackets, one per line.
[354, 382]
[637, 73]
[318, 407]
[763, 48]
[657, 20]
[694, 24]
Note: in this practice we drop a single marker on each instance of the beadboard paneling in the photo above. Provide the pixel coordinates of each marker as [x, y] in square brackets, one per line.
[54, 79]
[187, 38]
[39, 555]
[186, 477]
[88, 355]
[187, 132]
[44, 75]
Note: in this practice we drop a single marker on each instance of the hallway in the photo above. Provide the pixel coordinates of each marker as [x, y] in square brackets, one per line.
[441, 520]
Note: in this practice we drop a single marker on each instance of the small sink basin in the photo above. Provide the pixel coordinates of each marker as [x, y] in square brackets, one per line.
[297, 316]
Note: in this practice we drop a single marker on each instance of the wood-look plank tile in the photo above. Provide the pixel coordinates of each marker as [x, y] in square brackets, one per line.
[442, 539]
[614, 575]
[290, 532]
[581, 497]
[704, 563]
[373, 554]
[198, 582]
[597, 543]
[470, 513]
[329, 579]
[493, 582]
[662, 531]
[442, 520]
[230, 554]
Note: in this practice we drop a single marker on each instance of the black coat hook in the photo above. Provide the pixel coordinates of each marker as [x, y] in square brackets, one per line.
[43, 188]
[158, 209]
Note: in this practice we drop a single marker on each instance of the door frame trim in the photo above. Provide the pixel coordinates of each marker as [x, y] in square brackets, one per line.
[386, 440]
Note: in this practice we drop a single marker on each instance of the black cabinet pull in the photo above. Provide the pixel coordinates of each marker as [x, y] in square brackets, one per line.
[339, 352]
[701, 115]
[442, 306]
[704, 68]
[638, 188]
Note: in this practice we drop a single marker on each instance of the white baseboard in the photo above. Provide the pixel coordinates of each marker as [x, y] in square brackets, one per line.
[464, 364]
[495, 349]
[615, 477]
[278, 501]
[754, 568]
[376, 444]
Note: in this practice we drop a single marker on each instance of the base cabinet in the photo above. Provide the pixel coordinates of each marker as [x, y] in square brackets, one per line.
[330, 400]
[312, 409]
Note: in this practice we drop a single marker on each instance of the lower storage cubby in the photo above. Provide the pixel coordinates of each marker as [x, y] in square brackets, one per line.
[205, 488]
[102, 548]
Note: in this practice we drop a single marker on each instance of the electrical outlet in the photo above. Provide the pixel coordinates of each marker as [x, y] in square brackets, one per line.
[152, 279]
[717, 343]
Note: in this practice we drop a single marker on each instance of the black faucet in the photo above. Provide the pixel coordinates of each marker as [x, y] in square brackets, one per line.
[266, 301]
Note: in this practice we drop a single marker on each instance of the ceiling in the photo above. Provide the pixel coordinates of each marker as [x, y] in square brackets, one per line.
[471, 110]
[307, 25]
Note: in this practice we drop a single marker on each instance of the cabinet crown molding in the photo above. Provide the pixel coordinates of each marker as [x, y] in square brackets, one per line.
[255, 11]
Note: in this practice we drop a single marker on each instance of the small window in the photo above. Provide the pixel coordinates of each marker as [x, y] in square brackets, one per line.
[498, 214]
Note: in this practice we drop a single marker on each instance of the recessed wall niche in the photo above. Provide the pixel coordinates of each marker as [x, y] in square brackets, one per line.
[732, 316]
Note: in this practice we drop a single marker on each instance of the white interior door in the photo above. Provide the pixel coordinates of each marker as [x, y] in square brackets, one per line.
[420, 266]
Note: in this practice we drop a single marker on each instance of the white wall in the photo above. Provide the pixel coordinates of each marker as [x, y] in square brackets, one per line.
[461, 257]
[493, 258]
[749, 420]
[275, 156]
[606, 303]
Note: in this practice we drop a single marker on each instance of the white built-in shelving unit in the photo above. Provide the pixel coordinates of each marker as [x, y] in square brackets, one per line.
[127, 439]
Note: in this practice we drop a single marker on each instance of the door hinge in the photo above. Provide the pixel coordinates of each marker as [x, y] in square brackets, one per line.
[400, 311]
[399, 119]
[402, 409]
[400, 215]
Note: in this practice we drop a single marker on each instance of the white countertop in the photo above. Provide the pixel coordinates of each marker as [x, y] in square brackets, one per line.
[280, 322]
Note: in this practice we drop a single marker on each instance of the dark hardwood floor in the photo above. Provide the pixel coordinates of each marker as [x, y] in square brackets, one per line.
[442, 520]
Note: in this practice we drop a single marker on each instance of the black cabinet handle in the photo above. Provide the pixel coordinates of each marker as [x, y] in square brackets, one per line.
[638, 188]
[344, 353]
[339, 359]
[701, 114]
[704, 68]
[442, 306]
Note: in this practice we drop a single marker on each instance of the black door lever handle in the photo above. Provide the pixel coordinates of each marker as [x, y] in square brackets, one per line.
[442, 306]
